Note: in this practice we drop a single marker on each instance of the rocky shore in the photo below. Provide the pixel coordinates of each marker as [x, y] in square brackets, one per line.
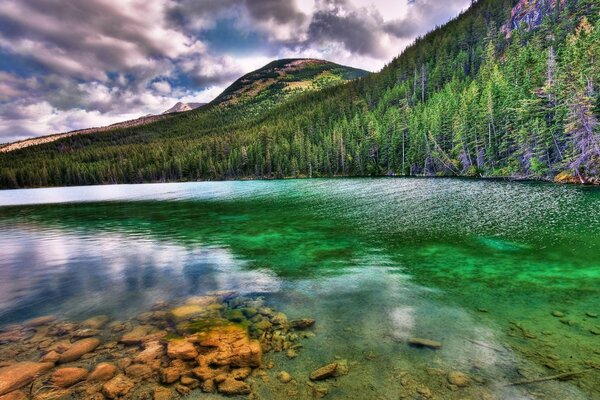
[212, 344]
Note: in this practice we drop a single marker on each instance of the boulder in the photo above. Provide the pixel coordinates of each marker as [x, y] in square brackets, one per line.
[118, 386]
[182, 349]
[103, 372]
[326, 371]
[20, 374]
[78, 349]
[68, 376]
[233, 387]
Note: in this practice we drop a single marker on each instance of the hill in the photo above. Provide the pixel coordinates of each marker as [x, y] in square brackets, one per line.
[508, 88]
[255, 92]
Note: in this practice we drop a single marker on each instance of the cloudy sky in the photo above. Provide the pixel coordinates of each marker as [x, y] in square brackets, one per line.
[71, 64]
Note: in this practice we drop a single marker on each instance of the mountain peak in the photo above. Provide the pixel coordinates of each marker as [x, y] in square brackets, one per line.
[181, 107]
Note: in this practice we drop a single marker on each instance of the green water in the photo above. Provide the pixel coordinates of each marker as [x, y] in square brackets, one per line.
[476, 265]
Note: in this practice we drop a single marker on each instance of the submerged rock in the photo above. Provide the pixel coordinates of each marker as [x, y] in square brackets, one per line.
[119, 386]
[182, 349]
[420, 342]
[284, 377]
[152, 351]
[137, 335]
[44, 320]
[591, 314]
[16, 395]
[558, 314]
[326, 371]
[231, 386]
[20, 374]
[458, 379]
[96, 322]
[68, 376]
[304, 323]
[163, 393]
[78, 349]
[103, 372]
[232, 347]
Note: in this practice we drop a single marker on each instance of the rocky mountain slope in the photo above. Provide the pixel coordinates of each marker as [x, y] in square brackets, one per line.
[182, 107]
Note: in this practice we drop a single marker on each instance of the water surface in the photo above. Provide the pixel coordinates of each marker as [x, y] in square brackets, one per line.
[476, 265]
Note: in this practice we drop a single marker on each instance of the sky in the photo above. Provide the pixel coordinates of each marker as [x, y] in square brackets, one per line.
[73, 64]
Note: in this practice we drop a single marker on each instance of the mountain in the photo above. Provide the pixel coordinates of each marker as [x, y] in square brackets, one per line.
[507, 89]
[281, 80]
[182, 107]
[255, 92]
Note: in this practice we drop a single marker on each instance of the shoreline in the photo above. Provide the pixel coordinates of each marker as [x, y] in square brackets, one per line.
[572, 182]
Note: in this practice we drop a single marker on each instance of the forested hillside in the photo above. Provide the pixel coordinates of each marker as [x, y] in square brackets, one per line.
[506, 89]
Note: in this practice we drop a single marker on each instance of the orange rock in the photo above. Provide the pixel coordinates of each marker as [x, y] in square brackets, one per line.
[51, 357]
[20, 374]
[138, 371]
[163, 393]
[16, 395]
[232, 387]
[66, 377]
[182, 349]
[118, 386]
[103, 372]
[78, 349]
[232, 347]
[152, 351]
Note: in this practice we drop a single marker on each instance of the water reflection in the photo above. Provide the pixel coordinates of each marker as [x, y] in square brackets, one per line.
[52, 271]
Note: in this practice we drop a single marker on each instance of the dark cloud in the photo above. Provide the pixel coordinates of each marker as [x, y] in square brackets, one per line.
[359, 32]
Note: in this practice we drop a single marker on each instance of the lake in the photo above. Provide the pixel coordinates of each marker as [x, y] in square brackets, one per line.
[479, 266]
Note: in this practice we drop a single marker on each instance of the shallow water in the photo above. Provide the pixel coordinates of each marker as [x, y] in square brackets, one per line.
[476, 265]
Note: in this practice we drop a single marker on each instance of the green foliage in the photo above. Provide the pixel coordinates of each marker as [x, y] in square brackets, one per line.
[466, 99]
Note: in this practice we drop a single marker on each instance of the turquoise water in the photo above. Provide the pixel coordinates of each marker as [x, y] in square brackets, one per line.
[476, 265]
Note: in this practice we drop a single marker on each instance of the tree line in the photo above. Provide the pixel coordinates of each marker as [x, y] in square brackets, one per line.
[468, 99]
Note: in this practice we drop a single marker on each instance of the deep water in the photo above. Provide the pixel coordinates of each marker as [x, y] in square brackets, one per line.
[476, 265]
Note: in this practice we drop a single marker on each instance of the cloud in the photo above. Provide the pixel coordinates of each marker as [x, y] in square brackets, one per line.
[80, 63]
